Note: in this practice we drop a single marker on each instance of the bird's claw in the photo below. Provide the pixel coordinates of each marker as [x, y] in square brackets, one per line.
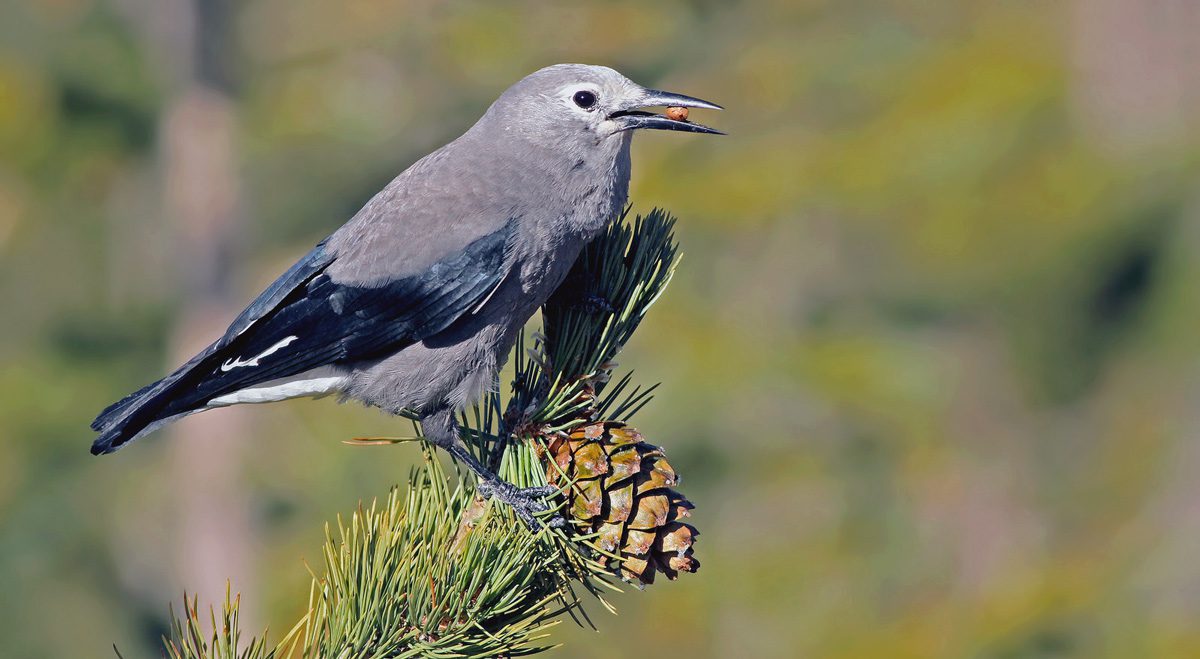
[526, 502]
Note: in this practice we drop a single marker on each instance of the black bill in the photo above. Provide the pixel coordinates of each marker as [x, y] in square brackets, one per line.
[634, 118]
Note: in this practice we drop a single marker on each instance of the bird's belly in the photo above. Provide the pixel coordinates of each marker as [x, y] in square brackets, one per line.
[430, 374]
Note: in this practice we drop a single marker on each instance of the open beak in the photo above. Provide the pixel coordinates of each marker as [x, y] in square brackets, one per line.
[633, 117]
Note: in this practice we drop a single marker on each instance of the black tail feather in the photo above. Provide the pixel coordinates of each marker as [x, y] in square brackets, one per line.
[110, 441]
[129, 417]
[138, 417]
[147, 408]
[114, 411]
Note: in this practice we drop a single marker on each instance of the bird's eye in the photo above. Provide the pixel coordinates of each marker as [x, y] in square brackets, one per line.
[584, 100]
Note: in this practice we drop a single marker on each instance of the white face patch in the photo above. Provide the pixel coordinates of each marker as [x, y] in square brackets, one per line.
[238, 362]
[565, 94]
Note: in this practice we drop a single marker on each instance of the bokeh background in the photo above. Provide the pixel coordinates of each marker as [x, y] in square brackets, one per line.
[929, 365]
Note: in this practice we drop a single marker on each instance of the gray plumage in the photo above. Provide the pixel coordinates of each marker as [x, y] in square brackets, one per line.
[415, 302]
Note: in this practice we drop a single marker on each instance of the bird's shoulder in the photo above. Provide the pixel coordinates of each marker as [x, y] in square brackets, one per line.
[427, 214]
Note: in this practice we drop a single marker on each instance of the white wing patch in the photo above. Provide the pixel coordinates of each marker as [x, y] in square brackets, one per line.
[238, 362]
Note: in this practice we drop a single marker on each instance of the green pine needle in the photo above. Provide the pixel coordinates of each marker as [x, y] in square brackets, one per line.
[189, 640]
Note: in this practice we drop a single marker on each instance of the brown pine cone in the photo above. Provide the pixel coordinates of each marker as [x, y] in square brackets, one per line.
[621, 491]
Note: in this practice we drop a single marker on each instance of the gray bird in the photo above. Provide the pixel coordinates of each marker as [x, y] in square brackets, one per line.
[414, 304]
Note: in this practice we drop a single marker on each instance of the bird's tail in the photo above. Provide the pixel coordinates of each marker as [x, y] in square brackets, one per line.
[146, 409]
[128, 419]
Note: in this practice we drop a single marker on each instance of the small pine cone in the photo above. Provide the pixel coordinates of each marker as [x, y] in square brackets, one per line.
[622, 492]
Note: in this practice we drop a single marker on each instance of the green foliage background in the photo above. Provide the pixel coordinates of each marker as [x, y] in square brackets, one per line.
[929, 362]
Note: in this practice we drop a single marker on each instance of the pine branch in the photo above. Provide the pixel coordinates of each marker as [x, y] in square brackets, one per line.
[188, 638]
[435, 570]
[402, 579]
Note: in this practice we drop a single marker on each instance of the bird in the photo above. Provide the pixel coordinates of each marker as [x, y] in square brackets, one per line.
[413, 305]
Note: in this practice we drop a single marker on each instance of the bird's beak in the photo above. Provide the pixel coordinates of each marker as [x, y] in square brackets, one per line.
[632, 117]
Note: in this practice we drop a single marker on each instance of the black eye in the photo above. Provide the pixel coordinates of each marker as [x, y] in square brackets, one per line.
[584, 100]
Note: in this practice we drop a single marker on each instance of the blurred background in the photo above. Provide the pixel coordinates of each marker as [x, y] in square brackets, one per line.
[929, 364]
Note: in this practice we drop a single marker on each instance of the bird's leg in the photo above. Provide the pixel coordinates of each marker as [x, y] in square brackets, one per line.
[441, 429]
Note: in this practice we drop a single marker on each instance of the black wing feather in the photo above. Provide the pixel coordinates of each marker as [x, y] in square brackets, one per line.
[288, 283]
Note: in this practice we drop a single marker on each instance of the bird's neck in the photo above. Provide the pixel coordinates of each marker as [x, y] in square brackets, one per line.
[594, 183]
[579, 188]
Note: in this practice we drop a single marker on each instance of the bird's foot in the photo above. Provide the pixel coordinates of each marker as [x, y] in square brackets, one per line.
[528, 502]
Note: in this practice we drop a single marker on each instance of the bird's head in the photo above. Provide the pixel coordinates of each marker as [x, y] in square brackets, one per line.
[579, 102]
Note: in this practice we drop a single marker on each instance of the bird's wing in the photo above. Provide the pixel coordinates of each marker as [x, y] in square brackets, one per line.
[325, 322]
[307, 319]
[303, 271]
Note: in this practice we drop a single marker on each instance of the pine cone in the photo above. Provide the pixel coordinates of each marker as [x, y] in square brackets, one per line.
[621, 491]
